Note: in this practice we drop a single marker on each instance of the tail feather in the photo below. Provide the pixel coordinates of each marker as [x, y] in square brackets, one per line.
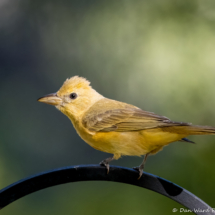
[200, 130]
[186, 140]
[190, 130]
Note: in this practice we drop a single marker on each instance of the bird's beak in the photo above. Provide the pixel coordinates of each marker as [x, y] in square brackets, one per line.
[51, 99]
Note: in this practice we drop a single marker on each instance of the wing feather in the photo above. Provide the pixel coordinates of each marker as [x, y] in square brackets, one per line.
[123, 119]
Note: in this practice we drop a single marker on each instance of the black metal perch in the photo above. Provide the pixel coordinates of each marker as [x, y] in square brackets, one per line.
[99, 173]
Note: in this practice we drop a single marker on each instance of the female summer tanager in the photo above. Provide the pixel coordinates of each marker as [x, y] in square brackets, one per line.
[116, 127]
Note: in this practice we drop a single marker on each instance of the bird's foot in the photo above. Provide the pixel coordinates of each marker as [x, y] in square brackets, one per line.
[106, 164]
[140, 170]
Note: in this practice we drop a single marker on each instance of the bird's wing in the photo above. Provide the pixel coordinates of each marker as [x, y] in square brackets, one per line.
[123, 119]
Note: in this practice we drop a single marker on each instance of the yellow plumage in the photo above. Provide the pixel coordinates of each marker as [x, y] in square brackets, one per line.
[116, 127]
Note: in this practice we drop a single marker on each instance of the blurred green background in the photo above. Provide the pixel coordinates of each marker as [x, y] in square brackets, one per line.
[158, 55]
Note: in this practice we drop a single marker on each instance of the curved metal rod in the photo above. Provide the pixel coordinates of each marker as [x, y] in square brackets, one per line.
[99, 173]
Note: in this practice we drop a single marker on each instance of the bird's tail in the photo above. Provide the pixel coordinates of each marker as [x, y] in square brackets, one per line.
[200, 130]
[190, 129]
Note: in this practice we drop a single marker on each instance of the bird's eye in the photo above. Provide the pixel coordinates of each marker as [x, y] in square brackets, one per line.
[73, 96]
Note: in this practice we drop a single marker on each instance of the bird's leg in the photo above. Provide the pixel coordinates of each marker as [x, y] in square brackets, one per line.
[141, 167]
[106, 162]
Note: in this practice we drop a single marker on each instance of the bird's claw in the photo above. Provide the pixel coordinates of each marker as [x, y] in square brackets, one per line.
[137, 168]
[103, 163]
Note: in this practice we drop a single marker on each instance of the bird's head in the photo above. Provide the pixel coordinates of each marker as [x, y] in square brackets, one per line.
[74, 98]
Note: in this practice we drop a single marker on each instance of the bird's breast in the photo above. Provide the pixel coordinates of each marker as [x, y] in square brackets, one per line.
[134, 143]
[124, 143]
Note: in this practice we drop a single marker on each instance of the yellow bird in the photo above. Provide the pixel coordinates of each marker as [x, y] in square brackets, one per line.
[116, 127]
